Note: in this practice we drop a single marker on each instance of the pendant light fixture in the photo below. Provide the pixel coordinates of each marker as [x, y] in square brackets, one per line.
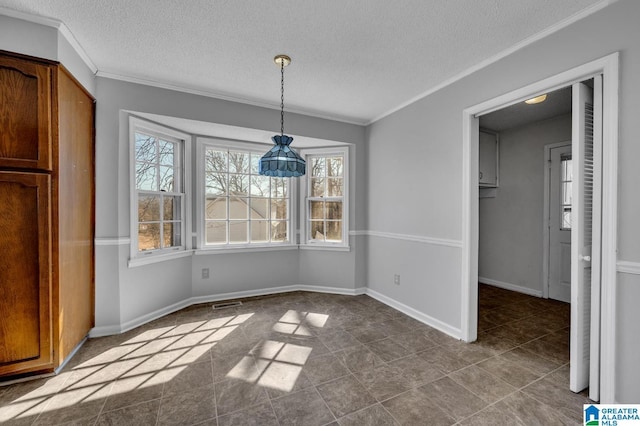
[281, 160]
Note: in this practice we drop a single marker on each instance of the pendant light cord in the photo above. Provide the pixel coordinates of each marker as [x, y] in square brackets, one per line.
[282, 97]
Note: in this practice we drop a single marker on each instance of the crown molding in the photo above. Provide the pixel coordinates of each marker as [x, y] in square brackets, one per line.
[495, 58]
[225, 97]
[63, 30]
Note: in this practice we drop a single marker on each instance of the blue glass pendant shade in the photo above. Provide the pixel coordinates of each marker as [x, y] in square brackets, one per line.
[281, 160]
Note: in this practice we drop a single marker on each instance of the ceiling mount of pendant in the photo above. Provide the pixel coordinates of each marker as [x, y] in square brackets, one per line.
[282, 60]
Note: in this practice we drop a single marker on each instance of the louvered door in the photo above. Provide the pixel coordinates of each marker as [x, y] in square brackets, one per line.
[585, 238]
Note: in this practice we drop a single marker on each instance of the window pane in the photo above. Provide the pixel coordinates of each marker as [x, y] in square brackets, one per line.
[172, 208]
[334, 166]
[260, 186]
[215, 208]
[146, 176]
[238, 232]
[166, 153]
[216, 232]
[279, 188]
[259, 208]
[215, 161]
[146, 148]
[148, 208]
[317, 230]
[334, 209]
[166, 179]
[255, 163]
[335, 187]
[566, 192]
[567, 170]
[238, 162]
[238, 208]
[279, 231]
[260, 231]
[171, 235]
[216, 183]
[279, 209]
[334, 230]
[148, 236]
[566, 218]
[317, 187]
[317, 209]
[317, 167]
[238, 185]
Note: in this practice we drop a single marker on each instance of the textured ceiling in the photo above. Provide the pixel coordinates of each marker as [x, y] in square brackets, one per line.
[353, 60]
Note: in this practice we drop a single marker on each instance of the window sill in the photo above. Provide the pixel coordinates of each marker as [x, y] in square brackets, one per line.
[159, 257]
[323, 247]
[243, 249]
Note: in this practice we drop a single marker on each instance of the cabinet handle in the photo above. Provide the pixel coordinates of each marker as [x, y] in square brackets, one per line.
[480, 175]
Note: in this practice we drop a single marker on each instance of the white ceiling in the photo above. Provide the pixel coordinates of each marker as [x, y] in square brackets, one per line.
[353, 60]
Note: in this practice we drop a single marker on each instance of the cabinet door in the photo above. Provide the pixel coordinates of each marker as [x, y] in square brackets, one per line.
[25, 273]
[488, 159]
[25, 114]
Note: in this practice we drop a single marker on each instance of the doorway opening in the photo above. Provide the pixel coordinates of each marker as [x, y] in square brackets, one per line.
[533, 330]
[608, 67]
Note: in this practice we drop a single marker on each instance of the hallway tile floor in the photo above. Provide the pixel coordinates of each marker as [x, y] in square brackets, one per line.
[315, 359]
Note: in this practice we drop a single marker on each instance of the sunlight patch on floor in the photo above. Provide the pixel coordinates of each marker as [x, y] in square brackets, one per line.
[152, 357]
[277, 365]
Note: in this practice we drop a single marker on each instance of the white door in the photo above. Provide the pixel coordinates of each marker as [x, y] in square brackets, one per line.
[560, 193]
[585, 238]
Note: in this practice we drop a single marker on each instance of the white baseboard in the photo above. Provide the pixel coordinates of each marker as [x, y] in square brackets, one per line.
[415, 314]
[242, 294]
[143, 319]
[509, 286]
[104, 330]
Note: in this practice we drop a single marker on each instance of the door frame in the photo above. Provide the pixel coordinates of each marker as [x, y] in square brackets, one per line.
[546, 239]
[608, 66]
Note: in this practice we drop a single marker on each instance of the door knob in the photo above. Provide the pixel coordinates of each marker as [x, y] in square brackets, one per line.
[585, 258]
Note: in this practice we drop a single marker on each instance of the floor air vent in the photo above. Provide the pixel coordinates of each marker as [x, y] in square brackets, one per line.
[226, 305]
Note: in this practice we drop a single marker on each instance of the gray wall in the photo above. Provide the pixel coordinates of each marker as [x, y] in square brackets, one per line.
[510, 249]
[420, 193]
[145, 291]
[40, 41]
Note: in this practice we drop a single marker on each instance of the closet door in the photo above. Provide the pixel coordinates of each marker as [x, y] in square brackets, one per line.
[25, 272]
[25, 114]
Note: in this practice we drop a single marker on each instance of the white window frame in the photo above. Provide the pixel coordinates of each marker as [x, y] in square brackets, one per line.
[202, 143]
[136, 257]
[305, 242]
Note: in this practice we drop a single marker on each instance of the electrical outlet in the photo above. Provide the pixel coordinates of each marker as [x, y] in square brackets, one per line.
[396, 279]
[205, 273]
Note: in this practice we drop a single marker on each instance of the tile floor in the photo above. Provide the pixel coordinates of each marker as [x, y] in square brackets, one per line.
[314, 359]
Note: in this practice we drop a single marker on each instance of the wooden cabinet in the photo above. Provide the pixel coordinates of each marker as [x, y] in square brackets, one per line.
[25, 290]
[488, 156]
[46, 215]
[25, 114]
